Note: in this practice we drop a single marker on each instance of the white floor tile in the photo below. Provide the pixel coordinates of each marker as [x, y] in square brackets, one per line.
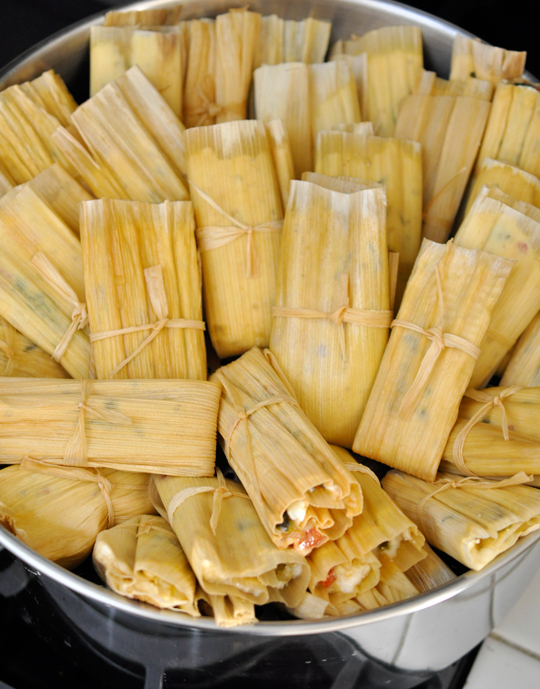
[499, 666]
[522, 624]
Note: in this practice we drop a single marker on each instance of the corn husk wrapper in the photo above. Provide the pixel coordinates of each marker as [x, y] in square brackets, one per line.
[429, 572]
[471, 57]
[360, 128]
[331, 366]
[409, 430]
[233, 165]
[359, 66]
[283, 40]
[128, 248]
[471, 523]
[395, 60]
[6, 181]
[217, 552]
[313, 608]
[59, 511]
[429, 84]
[21, 358]
[153, 17]
[502, 226]
[200, 85]
[450, 130]
[302, 493]
[143, 559]
[228, 611]
[166, 427]
[280, 147]
[524, 365]
[397, 165]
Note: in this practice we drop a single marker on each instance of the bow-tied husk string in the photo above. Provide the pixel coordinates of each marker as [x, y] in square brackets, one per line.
[489, 402]
[214, 236]
[439, 342]
[7, 345]
[158, 298]
[79, 474]
[210, 109]
[343, 314]
[220, 493]
[79, 315]
[76, 453]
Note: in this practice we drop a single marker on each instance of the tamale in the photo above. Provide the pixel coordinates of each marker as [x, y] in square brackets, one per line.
[227, 546]
[283, 40]
[396, 164]
[395, 59]
[140, 266]
[473, 520]
[167, 427]
[280, 147]
[430, 356]
[19, 357]
[471, 57]
[502, 226]
[524, 366]
[429, 84]
[332, 316]
[450, 129]
[59, 511]
[429, 572]
[142, 559]
[200, 86]
[301, 491]
[238, 209]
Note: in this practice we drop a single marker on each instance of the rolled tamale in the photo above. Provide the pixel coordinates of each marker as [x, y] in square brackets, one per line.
[301, 491]
[236, 196]
[142, 559]
[332, 316]
[473, 520]
[524, 365]
[284, 40]
[430, 356]
[471, 57]
[156, 426]
[429, 572]
[21, 358]
[226, 544]
[143, 289]
[59, 511]
[502, 226]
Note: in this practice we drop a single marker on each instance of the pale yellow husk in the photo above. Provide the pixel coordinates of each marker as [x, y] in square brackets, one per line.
[21, 358]
[228, 611]
[429, 84]
[429, 572]
[283, 40]
[524, 366]
[471, 57]
[280, 147]
[153, 17]
[200, 86]
[359, 66]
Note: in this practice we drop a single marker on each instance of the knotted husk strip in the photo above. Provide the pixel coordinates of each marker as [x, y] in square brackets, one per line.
[395, 60]
[238, 559]
[166, 427]
[429, 572]
[429, 84]
[232, 163]
[331, 363]
[283, 40]
[450, 130]
[502, 226]
[143, 559]
[396, 164]
[59, 511]
[471, 57]
[121, 239]
[280, 146]
[524, 365]
[413, 438]
[200, 84]
[153, 17]
[472, 523]
[283, 462]
[19, 357]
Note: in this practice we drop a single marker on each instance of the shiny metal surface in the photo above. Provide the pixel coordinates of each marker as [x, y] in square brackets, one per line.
[426, 633]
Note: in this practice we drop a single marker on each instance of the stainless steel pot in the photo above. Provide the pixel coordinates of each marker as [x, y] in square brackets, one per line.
[428, 632]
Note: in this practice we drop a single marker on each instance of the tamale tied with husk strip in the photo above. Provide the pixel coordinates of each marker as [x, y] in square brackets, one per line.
[301, 491]
[471, 519]
[238, 209]
[524, 365]
[332, 316]
[143, 289]
[471, 57]
[21, 358]
[166, 427]
[430, 357]
[286, 40]
[59, 511]
[142, 559]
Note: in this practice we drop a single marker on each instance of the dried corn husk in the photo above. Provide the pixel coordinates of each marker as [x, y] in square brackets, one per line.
[429, 572]
[300, 490]
[332, 317]
[502, 226]
[313, 608]
[166, 427]
[395, 60]
[360, 128]
[291, 41]
[415, 399]
[200, 86]
[471, 57]
[20, 357]
[234, 186]
[429, 84]
[59, 511]
[524, 366]
[152, 17]
[228, 611]
[359, 66]
[397, 165]
[216, 542]
[140, 263]
[280, 146]
[473, 521]
[450, 130]
[143, 559]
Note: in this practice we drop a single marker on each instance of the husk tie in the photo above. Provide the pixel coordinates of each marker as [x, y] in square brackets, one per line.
[439, 341]
[8, 347]
[158, 299]
[490, 401]
[209, 108]
[213, 236]
[79, 315]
